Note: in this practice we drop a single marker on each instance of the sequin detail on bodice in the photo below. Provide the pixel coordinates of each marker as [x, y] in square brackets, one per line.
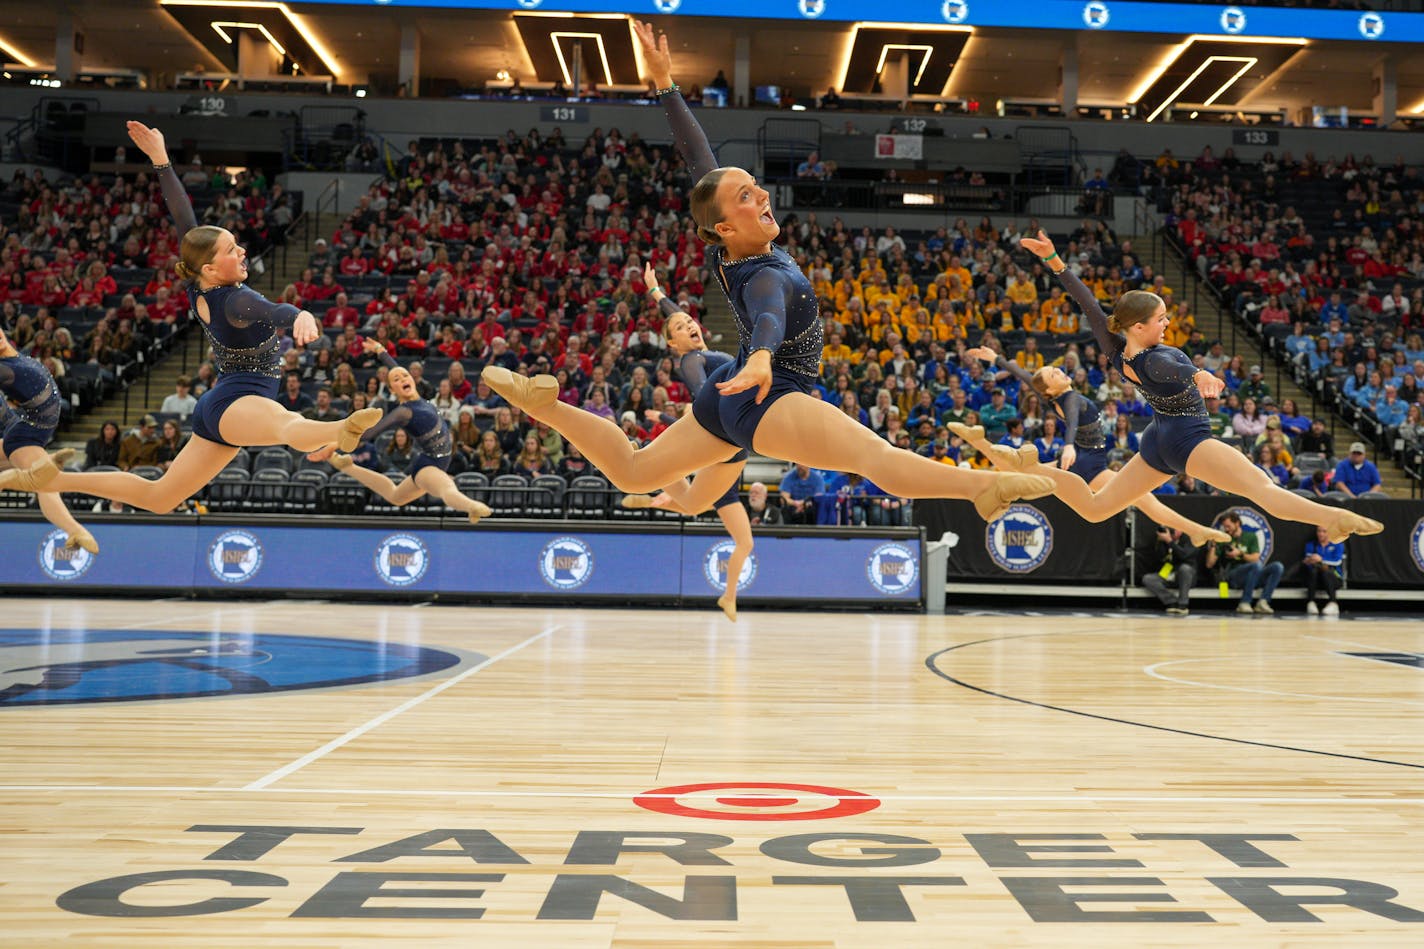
[40, 410]
[264, 359]
[1184, 403]
[800, 350]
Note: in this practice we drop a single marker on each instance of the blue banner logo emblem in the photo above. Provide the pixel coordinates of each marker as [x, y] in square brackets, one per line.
[61, 562]
[1020, 540]
[715, 565]
[402, 559]
[892, 568]
[566, 563]
[235, 557]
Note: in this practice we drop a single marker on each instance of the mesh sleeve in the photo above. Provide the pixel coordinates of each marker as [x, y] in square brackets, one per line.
[1108, 341]
[246, 307]
[7, 382]
[1019, 372]
[398, 417]
[693, 370]
[176, 197]
[669, 307]
[766, 304]
[688, 136]
[1072, 407]
[1167, 364]
[388, 360]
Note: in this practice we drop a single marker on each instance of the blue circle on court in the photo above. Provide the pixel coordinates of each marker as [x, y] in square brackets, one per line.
[66, 667]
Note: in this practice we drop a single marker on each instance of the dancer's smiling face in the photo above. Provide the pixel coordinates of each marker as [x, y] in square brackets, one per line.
[747, 218]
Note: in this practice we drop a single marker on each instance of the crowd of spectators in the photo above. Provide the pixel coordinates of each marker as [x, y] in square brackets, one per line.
[1325, 259]
[86, 277]
[530, 252]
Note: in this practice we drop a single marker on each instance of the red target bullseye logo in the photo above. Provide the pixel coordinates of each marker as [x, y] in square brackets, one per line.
[757, 800]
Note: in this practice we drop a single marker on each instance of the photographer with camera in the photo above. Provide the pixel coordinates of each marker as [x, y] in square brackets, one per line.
[1176, 570]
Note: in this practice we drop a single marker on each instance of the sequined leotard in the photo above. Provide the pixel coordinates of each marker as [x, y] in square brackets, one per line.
[1165, 377]
[1083, 424]
[429, 431]
[774, 304]
[246, 352]
[695, 368]
[34, 415]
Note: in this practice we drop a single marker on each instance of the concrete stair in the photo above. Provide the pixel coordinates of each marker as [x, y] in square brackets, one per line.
[1216, 323]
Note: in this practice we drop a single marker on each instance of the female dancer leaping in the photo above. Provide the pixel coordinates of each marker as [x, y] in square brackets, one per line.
[430, 431]
[765, 405]
[695, 363]
[24, 432]
[1179, 438]
[1085, 453]
[240, 409]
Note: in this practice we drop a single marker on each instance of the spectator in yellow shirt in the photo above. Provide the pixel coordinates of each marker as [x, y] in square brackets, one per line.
[1063, 321]
[996, 314]
[847, 288]
[957, 269]
[853, 313]
[881, 290]
[1023, 293]
[835, 350]
[881, 323]
[1029, 357]
[1036, 320]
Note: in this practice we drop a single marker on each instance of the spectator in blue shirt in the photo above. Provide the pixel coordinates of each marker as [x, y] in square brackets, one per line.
[798, 491]
[1334, 310]
[1324, 566]
[1388, 409]
[1357, 474]
[995, 416]
[1049, 445]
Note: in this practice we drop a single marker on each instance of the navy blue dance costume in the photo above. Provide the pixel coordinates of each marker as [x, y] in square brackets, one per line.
[427, 428]
[1165, 377]
[696, 368]
[34, 414]
[774, 304]
[1083, 425]
[246, 353]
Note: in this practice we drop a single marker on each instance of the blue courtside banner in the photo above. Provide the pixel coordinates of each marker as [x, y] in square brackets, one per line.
[1104, 15]
[547, 561]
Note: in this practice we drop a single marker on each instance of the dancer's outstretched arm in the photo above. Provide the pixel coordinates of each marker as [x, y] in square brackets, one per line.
[688, 136]
[1108, 341]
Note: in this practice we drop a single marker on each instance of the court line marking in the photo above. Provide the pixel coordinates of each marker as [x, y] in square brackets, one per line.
[1346, 642]
[707, 796]
[384, 717]
[1152, 671]
[933, 658]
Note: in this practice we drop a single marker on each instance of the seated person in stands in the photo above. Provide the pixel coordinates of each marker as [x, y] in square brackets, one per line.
[1356, 474]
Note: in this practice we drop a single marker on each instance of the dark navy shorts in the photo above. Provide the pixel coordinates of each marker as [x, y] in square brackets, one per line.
[1168, 441]
[228, 389]
[20, 434]
[734, 418]
[1090, 463]
[422, 460]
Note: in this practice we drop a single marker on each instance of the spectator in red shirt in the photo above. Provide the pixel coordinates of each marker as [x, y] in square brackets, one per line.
[341, 313]
[355, 264]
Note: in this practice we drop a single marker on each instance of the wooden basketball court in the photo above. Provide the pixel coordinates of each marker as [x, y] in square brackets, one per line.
[594, 778]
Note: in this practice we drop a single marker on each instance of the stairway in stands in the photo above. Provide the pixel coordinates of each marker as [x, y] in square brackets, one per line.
[1216, 323]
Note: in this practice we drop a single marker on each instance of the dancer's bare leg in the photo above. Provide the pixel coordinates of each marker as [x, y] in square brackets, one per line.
[439, 484]
[194, 467]
[397, 494]
[1222, 466]
[806, 430]
[1199, 534]
[1002, 457]
[254, 420]
[739, 527]
[707, 486]
[684, 448]
[51, 505]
